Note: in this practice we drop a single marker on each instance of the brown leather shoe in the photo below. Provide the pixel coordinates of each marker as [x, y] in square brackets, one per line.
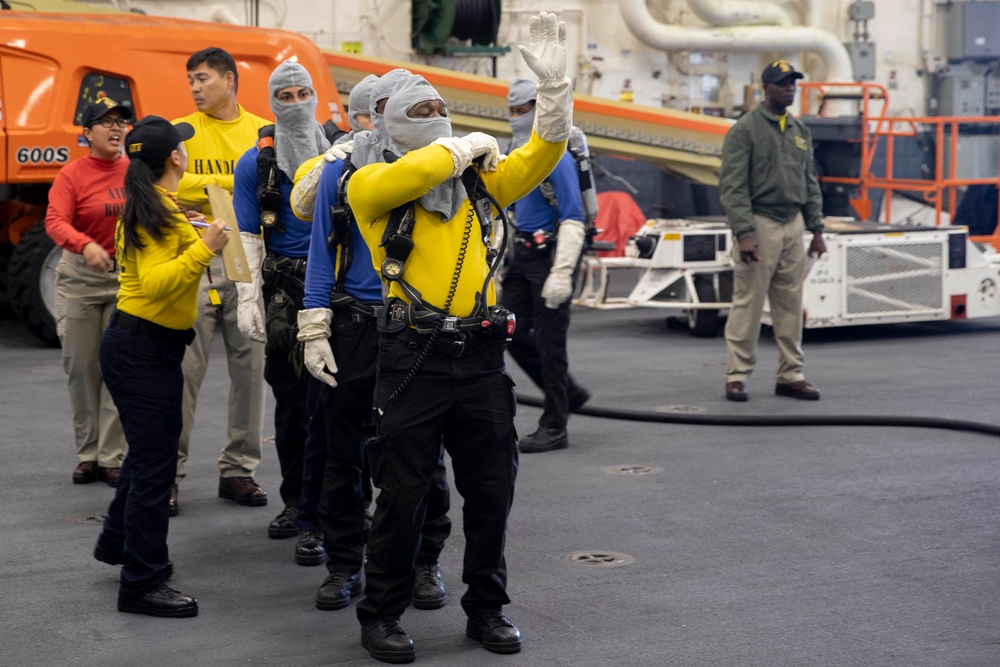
[736, 391]
[173, 504]
[801, 390]
[242, 490]
[85, 472]
[109, 475]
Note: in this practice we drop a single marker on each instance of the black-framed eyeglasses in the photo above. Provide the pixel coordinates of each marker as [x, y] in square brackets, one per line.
[110, 121]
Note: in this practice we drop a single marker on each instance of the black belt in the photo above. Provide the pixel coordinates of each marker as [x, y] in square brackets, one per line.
[426, 321]
[448, 344]
[343, 301]
[538, 240]
[137, 325]
[274, 262]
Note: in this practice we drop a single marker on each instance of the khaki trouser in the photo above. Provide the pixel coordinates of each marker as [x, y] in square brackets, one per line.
[246, 380]
[84, 302]
[779, 277]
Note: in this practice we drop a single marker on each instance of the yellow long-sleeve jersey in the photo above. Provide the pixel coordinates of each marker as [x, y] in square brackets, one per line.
[159, 282]
[213, 152]
[376, 189]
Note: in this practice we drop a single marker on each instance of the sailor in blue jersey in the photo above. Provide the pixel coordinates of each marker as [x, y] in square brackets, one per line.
[545, 249]
[276, 255]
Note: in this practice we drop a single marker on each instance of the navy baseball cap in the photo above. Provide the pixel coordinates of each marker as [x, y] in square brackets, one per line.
[95, 111]
[779, 70]
[153, 138]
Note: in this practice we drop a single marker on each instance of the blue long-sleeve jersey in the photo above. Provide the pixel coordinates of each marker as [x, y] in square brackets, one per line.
[535, 213]
[293, 238]
[361, 281]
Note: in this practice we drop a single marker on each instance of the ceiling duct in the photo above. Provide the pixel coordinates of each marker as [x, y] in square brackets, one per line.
[737, 38]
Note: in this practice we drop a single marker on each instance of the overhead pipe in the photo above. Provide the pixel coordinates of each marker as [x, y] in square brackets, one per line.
[739, 12]
[756, 39]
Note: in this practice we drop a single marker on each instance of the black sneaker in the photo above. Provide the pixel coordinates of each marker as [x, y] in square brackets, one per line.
[285, 524]
[428, 589]
[544, 440]
[495, 632]
[162, 601]
[310, 550]
[337, 590]
[386, 640]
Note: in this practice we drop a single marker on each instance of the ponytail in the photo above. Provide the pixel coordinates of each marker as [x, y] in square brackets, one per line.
[144, 208]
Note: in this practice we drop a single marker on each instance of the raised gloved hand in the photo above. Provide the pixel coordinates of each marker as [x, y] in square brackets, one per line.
[466, 149]
[546, 56]
[314, 331]
[558, 286]
[249, 317]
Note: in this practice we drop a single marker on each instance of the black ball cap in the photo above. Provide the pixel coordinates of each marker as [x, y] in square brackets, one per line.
[153, 138]
[95, 111]
[778, 71]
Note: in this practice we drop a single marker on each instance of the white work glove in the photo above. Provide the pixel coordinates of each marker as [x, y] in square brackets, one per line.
[249, 317]
[314, 331]
[546, 56]
[303, 199]
[339, 151]
[558, 286]
[466, 149]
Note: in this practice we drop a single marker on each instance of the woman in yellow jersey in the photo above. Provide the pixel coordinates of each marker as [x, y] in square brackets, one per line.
[162, 259]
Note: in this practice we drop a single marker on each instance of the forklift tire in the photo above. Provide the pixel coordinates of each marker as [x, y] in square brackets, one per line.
[31, 282]
[704, 323]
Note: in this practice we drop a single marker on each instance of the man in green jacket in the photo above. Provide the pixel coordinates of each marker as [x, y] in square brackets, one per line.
[769, 190]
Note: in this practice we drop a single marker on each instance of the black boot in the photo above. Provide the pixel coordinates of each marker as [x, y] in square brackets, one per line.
[495, 631]
[310, 550]
[337, 590]
[285, 524]
[386, 640]
[544, 440]
[161, 601]
[428, 589]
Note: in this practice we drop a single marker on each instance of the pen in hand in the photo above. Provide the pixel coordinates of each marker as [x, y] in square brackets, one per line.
[204, 225]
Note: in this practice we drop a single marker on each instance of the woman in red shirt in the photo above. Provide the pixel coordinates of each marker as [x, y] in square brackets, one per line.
[84, 203]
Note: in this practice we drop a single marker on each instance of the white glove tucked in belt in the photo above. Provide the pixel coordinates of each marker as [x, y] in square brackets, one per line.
[314, 331]
[558, 286]
[249, 317]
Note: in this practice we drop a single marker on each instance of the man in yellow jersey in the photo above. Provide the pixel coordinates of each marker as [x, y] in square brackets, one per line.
[223, 132]
[441, 340]
[769, 190]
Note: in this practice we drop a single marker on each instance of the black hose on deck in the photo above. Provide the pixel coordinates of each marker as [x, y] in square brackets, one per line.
[776, 420]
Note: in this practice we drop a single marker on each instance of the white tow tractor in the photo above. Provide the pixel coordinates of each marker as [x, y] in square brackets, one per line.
[872, 274]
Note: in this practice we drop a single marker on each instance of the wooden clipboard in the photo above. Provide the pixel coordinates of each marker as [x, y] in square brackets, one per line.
[234, 257]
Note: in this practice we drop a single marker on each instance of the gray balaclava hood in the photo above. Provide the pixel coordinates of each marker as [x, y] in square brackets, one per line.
[521, 92]
[368, 146]
[359, 102]
[405, 134]
[297, 135]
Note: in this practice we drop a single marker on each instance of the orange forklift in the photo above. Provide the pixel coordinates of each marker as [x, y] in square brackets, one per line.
[52, 65]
